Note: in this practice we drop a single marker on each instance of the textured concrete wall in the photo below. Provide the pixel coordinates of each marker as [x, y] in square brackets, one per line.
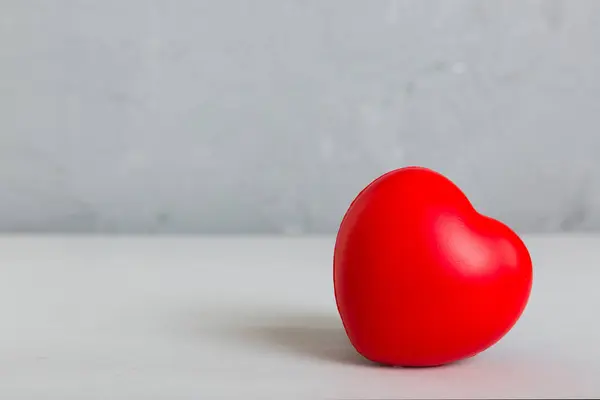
[270, 115]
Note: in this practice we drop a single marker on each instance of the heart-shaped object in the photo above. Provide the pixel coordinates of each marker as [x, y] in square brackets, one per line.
[421, 278]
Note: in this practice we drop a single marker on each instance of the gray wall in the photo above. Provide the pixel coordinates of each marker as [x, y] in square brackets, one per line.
[270, 115]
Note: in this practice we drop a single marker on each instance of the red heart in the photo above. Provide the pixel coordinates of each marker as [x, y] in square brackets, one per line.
[421, 278]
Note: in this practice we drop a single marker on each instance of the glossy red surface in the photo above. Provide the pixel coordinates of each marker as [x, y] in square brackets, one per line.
[421, 278]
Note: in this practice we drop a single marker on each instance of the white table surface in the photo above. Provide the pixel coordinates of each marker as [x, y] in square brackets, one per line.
[254, 318]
